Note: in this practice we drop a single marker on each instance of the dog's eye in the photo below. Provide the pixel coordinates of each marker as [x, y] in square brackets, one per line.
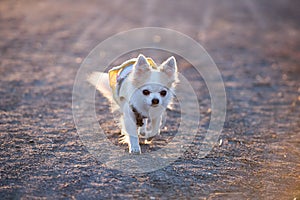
[146, 92]
[163, 93]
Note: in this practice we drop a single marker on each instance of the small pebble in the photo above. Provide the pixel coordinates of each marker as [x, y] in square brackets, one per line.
[220, 142]
[78, 60]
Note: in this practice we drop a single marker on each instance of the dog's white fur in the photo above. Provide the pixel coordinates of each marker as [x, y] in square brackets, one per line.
[146, 91]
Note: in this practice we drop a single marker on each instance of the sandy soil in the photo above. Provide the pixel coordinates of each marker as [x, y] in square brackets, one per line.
[256, 47]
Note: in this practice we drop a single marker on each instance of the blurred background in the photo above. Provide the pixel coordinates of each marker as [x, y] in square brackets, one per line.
[255, 44]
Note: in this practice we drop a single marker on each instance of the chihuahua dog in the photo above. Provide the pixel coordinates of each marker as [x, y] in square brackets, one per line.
[142, 91]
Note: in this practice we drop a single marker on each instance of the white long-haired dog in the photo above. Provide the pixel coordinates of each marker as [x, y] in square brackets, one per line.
[142, 90]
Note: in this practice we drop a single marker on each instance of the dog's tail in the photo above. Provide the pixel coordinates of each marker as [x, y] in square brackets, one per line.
[101, 82]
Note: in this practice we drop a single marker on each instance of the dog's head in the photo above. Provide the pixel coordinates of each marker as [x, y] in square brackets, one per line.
[154, 85]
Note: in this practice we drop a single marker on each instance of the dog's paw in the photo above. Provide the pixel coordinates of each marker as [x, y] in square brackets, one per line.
[151, 134]
[142, 134]
[135, 150]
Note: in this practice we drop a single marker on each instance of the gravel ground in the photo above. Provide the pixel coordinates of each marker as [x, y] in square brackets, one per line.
[255, 44]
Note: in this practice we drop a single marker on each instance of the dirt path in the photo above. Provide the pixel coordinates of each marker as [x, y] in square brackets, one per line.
[256, 47]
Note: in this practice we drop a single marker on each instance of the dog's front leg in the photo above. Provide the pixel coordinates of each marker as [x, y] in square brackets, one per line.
[155, 123]
[130, 129]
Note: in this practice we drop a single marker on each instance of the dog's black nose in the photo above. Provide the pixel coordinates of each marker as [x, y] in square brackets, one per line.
[155, 101]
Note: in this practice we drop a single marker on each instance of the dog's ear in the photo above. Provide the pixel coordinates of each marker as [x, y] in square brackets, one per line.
[169, 67]
[141, 66]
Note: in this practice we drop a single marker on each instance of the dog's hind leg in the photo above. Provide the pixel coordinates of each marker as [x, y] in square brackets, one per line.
[142, 131]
